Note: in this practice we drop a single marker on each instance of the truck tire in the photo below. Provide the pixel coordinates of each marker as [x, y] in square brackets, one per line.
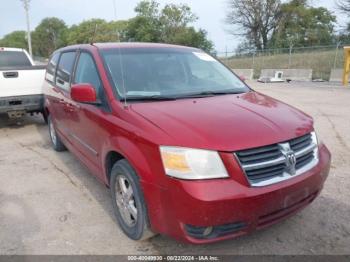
[128, 202]
[55, 140]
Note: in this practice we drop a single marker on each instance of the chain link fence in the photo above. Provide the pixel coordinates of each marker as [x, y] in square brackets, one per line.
[321, 59]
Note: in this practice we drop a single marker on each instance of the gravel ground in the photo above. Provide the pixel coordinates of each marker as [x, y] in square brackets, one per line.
[50, 204]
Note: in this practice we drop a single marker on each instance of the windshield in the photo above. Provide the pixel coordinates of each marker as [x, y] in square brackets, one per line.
[151, 73]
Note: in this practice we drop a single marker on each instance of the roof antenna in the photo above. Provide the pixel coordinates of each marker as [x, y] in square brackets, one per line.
[93, 35]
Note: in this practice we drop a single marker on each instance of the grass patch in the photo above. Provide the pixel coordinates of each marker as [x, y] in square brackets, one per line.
[321, 62]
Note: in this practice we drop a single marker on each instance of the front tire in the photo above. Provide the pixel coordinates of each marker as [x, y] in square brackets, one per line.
[57, 144]
[128, 202]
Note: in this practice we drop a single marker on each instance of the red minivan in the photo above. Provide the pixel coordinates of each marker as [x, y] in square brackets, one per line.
[186, 148]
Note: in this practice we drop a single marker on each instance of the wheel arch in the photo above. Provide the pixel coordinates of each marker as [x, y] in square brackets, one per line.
[142, 166]
[131, 152]
[111, 158]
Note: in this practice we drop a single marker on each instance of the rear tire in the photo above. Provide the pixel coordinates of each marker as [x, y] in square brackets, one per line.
[57, 144]
[128, 202]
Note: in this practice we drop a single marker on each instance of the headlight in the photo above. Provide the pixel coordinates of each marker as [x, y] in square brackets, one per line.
[316, 141]
[316, 138]
[187, 163]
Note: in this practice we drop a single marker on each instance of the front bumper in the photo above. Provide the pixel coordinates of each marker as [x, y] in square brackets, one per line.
[232, 207]
[28, 103]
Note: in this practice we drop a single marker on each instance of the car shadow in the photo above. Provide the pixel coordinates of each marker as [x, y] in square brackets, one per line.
[76, 172]
[6, 122]
[69, 167]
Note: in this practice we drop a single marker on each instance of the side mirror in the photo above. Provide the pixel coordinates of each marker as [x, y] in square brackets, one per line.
[83, 93]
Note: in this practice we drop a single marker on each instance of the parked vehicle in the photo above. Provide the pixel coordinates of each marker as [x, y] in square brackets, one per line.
[186, 148]
[20, 83]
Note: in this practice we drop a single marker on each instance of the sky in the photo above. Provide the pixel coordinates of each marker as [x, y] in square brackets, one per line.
[211, 14]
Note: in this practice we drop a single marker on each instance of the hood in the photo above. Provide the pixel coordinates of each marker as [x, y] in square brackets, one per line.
[226, 123]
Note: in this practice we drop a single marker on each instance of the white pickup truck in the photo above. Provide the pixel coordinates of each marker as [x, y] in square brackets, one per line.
[20, 83]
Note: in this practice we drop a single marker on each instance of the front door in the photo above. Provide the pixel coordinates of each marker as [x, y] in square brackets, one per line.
[87, 129]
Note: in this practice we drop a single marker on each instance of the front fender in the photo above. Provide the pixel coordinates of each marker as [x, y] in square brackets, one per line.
[145, 159]
[141, 154]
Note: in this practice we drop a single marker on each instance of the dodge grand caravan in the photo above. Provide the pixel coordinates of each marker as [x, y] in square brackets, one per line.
[186, 148]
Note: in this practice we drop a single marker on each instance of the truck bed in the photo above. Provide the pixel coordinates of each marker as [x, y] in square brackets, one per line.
[21, 90]
[21, 81]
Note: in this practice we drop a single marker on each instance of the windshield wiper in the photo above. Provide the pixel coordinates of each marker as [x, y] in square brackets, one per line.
[184, 96]
[150, 98]
[211, 93]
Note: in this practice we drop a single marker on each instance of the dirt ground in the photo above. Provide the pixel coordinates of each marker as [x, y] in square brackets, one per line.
[50, 204]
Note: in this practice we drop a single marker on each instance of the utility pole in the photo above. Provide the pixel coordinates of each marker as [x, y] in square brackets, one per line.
[115, 10]
[290, 55]
[29, 38]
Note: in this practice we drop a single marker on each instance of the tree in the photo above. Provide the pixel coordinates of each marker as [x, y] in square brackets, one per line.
[168, 25]
[15, 39]
[344, 5]
[48, 36]
[172, 24]
[142, 29]
[177, 15]
[344, 35]
[254, 19]
[188, 36]
[245, 47]
[145, 27]
[96, 30]
[303, 25]
[174, 19]
[147, 9]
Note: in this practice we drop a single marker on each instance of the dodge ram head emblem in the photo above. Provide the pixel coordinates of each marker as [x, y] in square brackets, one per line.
[290, 156]
[291, 161]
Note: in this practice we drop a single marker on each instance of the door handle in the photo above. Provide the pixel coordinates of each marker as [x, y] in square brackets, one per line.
[61, 82]
[10, 74]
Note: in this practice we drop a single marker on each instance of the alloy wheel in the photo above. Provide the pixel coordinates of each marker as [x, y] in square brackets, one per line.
[126, 201]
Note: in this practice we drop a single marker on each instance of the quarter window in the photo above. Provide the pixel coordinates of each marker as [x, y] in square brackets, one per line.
[65, 69]
[86, 72]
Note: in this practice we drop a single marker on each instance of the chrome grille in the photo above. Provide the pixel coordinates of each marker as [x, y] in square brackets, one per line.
[300, 142]
[258, 155]
[304, 160]
[274, 163]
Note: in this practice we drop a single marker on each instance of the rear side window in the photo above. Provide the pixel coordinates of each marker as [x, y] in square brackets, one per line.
[64, 70]
[51, 68]
[13, 58]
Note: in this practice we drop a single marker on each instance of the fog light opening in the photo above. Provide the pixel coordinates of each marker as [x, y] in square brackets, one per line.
[214, 231]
